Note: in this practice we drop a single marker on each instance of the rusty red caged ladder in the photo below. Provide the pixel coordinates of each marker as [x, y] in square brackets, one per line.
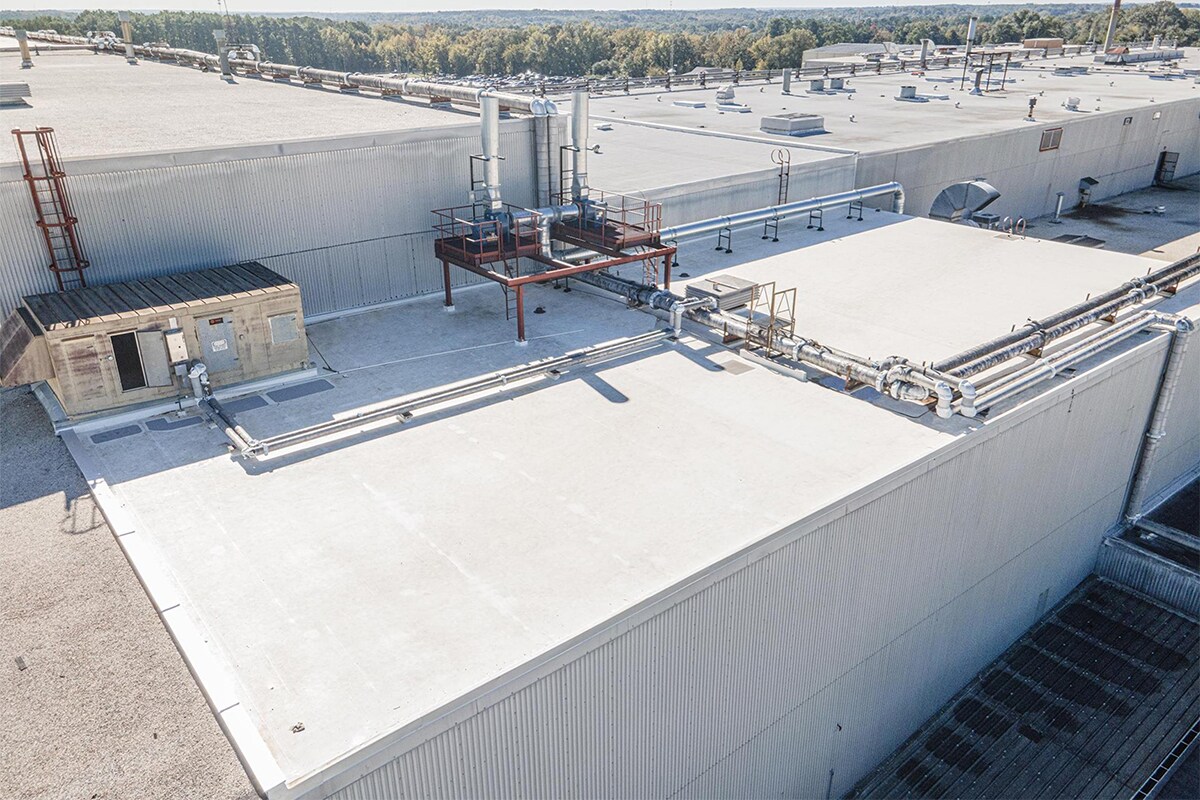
[45, 177]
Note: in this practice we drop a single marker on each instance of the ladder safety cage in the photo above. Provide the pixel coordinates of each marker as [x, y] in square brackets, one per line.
[56, 218]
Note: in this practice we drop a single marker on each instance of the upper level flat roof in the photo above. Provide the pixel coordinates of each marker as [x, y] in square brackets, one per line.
[99, 105]
[366, 587]
[882, 123]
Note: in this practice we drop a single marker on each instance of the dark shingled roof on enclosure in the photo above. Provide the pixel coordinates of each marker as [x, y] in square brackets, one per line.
[133, 299]
[1085, 705]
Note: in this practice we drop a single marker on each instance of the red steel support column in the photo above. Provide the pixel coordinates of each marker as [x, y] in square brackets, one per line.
[446, 283]
[520, 313]
[667, 270]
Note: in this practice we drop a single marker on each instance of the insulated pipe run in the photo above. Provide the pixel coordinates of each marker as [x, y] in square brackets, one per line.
[579, 140]
[353, 80]
[1132, 291]
[782, 212]
[1158, 421]
[1048, 367]
[896, 378]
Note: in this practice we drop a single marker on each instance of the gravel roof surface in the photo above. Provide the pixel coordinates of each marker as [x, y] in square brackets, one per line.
[104, 706]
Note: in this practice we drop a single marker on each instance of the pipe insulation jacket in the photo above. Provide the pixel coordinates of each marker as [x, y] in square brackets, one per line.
[897, 379]
[1034, 333]
[786, 210]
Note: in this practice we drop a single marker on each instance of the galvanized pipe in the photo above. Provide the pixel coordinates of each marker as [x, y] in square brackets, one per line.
[489, 133]
[402, 408]
[579, 140]
[1158, 420]
[895, 378]
[405, 86]
[1112, 25]
[782, 212]
[1036, 332]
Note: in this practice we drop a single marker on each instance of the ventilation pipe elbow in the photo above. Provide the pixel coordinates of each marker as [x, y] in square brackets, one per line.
[898, 200]
[198, 375]
[579, 141]
[968, 393]
[945, 399]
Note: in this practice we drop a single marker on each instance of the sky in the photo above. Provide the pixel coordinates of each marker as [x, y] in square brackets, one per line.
[344, 6]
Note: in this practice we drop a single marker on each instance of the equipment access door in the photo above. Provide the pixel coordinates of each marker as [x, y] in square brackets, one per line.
[218, 344]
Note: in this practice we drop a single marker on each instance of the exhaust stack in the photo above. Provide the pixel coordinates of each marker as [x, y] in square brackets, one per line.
[974, 21]
[1112, 26]
[489, 132]
[23, 43]
[127, 35]
[579, 140]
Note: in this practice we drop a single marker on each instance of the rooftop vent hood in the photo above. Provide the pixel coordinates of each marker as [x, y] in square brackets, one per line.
[959, 201]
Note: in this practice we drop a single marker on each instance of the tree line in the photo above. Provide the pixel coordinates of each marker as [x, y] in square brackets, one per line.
[604, 43]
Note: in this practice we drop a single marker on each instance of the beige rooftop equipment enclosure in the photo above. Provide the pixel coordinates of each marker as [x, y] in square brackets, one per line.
[105, 347]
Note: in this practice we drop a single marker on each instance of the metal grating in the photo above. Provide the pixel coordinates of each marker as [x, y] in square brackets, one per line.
[1085, 705]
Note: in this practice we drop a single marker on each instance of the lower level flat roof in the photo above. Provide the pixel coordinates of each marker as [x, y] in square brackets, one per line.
[1085, 705]
[364, 586]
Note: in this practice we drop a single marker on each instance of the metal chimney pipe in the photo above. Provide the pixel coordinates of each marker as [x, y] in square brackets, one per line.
[926, 49]
[579, 139]
[489, 132]
[222, 53]
[127, 35]
[787, 80]
[974, 21]
[23, 43]
[1112, 26]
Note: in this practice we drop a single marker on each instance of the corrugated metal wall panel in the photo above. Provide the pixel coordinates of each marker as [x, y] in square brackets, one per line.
[718, 197]
[350, 225]
[869, 622]
[1151, 576]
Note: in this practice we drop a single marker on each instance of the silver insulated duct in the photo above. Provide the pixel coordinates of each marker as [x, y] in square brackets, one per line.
[489, 129]
[579, 140]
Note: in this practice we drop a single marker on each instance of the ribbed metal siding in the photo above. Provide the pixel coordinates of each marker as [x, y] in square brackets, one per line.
[1151, 576]
[868, 622]
[718, 197]
[350, 226]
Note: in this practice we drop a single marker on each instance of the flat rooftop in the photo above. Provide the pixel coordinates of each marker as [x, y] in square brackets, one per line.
[99, 105]
[882, 123]
[351, 590]
[635, 158]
